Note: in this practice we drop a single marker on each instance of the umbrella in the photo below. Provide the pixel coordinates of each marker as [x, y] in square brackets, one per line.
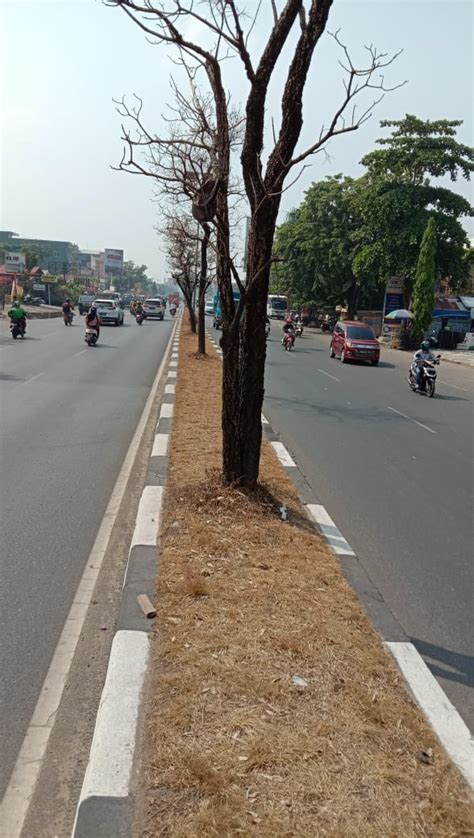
[399, 314]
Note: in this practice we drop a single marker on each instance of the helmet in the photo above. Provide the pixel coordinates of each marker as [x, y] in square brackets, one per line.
[15, 303]
[425, 344]
[67, 299]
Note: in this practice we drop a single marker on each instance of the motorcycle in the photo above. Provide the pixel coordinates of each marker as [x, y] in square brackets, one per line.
[267, 330]
[68, 318]
[172, 311]
[288, 341]
[328, 325]
[139, 317]
[428, 378]
[298, 330]
[18, 329]
[90, 337]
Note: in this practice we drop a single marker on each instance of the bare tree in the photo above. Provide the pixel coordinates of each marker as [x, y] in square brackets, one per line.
[181, 256]
[225, 31]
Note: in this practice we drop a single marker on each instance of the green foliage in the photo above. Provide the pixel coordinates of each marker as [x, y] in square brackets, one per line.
[425, 277]
[348, 236]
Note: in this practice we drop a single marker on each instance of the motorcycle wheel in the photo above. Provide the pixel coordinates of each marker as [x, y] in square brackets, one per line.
[343, 358]
[430, 389]
[331, 352]
[14, 335]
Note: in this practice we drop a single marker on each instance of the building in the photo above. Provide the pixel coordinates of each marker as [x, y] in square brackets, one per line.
[57, 257]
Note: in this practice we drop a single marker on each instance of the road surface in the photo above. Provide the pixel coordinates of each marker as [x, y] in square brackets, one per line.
[394, 471]
[68, 414]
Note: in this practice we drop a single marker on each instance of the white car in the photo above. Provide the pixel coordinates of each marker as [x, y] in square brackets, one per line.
[209, 308]
[109, 312]
[154, 307]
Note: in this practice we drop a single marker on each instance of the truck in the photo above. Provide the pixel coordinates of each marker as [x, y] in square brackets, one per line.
[277, 306]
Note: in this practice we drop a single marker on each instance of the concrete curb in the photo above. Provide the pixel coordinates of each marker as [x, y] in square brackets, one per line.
[106, 806]
[442, 716]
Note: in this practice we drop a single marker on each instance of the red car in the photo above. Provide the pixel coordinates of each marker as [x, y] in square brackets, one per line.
[354, 341]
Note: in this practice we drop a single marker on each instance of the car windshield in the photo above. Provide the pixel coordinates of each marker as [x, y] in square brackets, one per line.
[152, 302]
[280, 305]
[104, 304]
[360, 333]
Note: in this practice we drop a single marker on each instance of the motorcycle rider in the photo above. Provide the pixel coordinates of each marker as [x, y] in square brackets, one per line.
[423, 354]
[288, 328]
[93, 320]
[17, 314]
[138, 310]
[68, 308]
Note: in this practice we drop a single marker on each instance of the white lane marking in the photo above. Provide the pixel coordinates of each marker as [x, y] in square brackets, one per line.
[336, 540]
[50, 334]
[160, 445]
[33, 378]
[173, 364]
[172, 374]
[166, 411]
[464, 389]
[17, 798]
[170, 389]
[264, 420]
[80, 353]
[283, 455]
[111, 756]
[3, 348]
[147, 523]
[328, 374]
[446, 722]
[410, 419]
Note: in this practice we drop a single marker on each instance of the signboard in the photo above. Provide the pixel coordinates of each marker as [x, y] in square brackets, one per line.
[113, 260]
[15, 262]
[39, 286]
[7, 279]
[49, 278]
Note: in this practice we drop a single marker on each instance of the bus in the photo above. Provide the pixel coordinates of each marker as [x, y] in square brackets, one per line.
[217, 306]
[277, 306]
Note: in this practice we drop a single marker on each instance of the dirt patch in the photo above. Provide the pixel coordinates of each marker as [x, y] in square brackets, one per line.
[274, 707]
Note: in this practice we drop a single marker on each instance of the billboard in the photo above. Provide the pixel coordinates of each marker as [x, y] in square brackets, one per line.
[15, 262]
[113, 260]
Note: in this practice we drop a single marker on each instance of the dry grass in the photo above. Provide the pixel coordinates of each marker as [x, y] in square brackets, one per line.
[246, 602]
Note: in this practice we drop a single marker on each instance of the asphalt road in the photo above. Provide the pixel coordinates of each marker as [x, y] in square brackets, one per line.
[394, 471]
[400, 492]
[68, 414]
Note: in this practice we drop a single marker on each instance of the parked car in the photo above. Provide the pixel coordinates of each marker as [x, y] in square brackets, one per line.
[354, 341]
[153, 307]
[209, 308]
[84, 303]
[109, 312]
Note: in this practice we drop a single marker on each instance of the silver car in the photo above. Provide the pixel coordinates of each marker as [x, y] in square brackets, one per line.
[109, 312]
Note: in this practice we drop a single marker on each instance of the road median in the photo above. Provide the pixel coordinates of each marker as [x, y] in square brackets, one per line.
[273, 707]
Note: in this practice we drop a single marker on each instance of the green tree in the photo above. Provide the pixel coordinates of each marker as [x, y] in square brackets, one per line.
[425, 277]
[402, 194]
[316, 249]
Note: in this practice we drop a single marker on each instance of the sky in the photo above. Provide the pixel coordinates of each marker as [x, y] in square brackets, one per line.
[62, 64]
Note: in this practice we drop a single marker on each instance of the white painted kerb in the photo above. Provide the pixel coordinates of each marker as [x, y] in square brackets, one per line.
[111, 756]
[446, 722]
[160, 445]
[148, 517]
[283, 455]
[170, 389]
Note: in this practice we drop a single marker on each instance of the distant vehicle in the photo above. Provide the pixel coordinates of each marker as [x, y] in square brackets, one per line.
[277, 306]
[354, 341]
[209, 308]
[217, 322]
[127, 299]
[153, 307]
[114, 296]
[33, 301]
[109, 312]
[85, 301]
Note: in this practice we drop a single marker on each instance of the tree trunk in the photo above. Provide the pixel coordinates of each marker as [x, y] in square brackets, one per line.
[353, 294]
[244, 352]
[202, 288]
[188, 299]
